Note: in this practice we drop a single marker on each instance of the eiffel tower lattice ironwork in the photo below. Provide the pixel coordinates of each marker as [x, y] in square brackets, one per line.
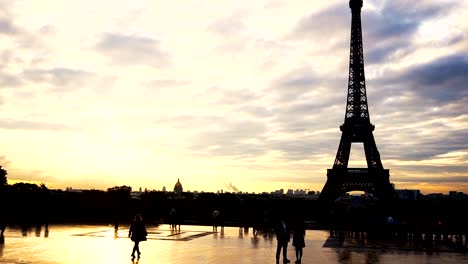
[357, 128]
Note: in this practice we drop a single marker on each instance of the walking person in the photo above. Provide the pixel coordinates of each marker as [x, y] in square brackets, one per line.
[298, 239]
[215, 219]
[282, 236]
[137, 233]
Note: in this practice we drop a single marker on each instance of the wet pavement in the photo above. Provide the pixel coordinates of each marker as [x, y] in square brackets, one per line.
[199, 244]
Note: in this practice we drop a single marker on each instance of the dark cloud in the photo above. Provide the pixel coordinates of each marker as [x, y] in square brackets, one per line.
[382, 52]
[30, 125]
[133, 49]
[443, 79]
[387, 31]
[418, 89]
[401, 17]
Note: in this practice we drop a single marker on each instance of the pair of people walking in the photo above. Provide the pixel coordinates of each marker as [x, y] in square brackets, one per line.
[137, 233]
[283, 236]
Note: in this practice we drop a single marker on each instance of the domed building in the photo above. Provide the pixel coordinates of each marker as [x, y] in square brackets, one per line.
[178, 187]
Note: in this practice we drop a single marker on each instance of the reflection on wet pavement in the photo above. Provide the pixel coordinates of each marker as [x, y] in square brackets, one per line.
[195, 244]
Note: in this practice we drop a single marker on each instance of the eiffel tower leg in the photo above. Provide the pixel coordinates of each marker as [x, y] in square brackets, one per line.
[344, 149]
[333, 187]
[372, 154]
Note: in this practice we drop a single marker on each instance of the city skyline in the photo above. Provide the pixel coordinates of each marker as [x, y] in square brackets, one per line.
[250, 93]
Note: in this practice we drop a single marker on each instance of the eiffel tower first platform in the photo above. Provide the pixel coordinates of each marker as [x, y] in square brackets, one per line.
[357, 128]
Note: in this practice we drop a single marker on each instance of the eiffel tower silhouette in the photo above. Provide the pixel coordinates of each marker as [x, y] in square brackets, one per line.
[357, 128]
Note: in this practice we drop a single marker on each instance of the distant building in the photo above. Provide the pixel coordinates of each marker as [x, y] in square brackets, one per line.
[435, 196]
[412, 195]
[299, 192]
[70, 189]
[278, 192]
[456, 195]
[178, 187]
[164, 189]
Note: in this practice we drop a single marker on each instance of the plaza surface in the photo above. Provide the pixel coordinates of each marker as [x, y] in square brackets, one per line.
[195, 244]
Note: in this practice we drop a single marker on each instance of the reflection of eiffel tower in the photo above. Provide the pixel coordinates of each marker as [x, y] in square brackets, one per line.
[357, 128]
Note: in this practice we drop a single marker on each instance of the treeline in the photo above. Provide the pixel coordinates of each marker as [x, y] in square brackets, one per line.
[29, 203]
[24, 203]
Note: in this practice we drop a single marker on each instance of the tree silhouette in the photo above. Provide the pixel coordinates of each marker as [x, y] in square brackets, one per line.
[3, 176]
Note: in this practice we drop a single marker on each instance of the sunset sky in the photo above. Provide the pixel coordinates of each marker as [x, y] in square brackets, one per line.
[251, 94]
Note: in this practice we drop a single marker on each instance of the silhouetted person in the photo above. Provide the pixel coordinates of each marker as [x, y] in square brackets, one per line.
[215, 216]
[173, 218]
[298, 239]
[178, 220]
[46, 231]
[2, 228]
[38, 230]
[116, 225]
[283, 237]
[137, 233]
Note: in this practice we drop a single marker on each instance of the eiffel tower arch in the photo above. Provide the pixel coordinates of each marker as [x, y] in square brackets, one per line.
[357, 128]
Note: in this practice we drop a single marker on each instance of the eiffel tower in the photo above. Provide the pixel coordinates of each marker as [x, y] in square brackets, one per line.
[357, 128]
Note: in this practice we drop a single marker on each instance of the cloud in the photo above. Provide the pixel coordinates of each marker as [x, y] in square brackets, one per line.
[30, 125]
[166, 83]
[432, 179]
[48, 30]
[133, 50]
[4, 162]
[233, 24]
[21, 175]
[7, 27]
[295, 84]
[327, 26]
[389, 28]
[257, 111]
[443, 79]
[231, 138]
[9, 81]
[230, 96]
[66, 79]
[18, 35]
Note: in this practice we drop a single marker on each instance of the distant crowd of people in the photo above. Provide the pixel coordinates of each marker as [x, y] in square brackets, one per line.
[283, 230]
